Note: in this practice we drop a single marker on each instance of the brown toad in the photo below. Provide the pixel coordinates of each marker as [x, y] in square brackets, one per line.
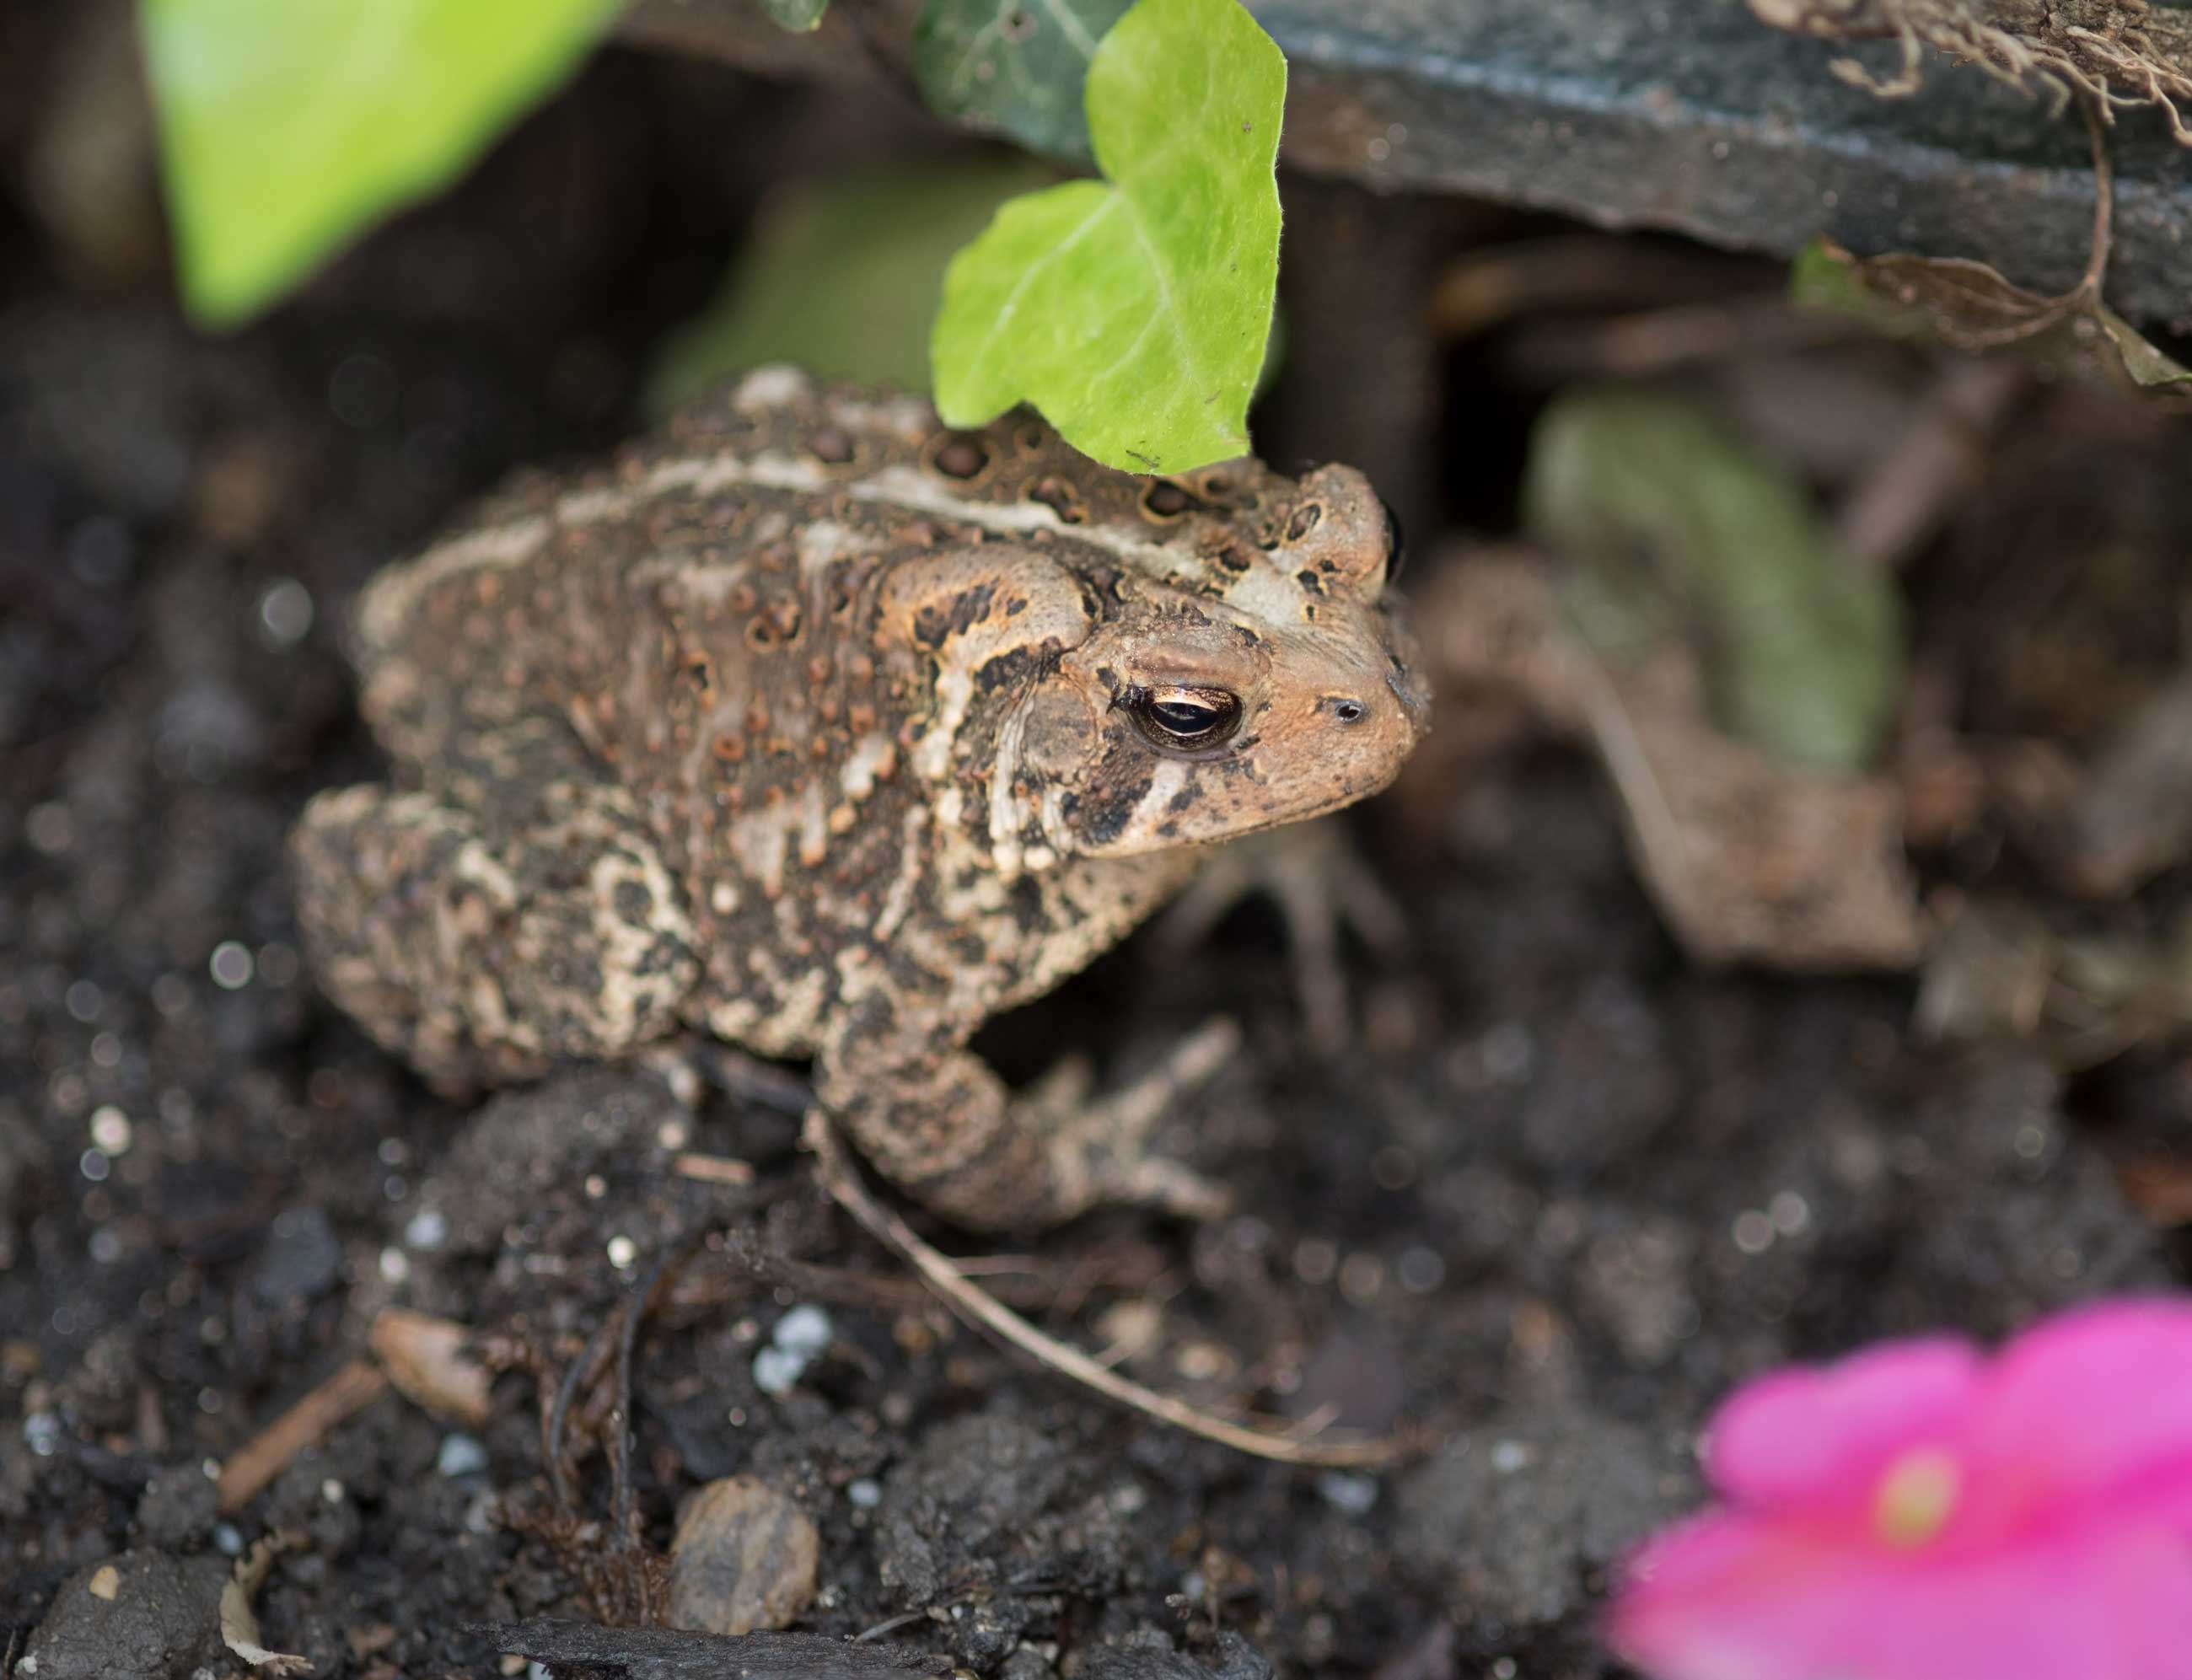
[813, 725]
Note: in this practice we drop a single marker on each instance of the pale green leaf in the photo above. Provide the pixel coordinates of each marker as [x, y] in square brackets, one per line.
[841, 276]
[800, 16]
[1014, 66]
[287, 126]
[1667, 529]
[1134, 311]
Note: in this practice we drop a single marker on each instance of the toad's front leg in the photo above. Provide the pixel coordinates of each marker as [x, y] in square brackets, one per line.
[941, 1126]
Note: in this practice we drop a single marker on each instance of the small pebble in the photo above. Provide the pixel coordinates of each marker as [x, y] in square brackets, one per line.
[745, 1557]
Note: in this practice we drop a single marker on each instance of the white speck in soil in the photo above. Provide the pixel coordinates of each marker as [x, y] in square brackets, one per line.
[867, 1494]
[804, 1329]
[110, 1129]
[777, 1372]
[285, 612]
[230, 965]
[1510, 1456]
[1343, 1490]
[460, 1455]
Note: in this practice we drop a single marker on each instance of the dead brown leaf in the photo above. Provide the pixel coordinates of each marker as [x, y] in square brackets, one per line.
[239, 1623]
[426, 1358]
[1999, 969]
[1969, 306]
[2132, 816]
[1747, 861]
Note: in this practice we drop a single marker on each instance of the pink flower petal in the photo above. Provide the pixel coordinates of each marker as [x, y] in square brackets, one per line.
[2092, 1404]
[1814, 1432]
[1743, 1599]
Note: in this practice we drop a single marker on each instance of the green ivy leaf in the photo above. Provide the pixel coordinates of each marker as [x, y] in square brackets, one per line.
[801, 17]
[288, 125]
[1669, 529]
[1133, 312]
[1014, 66]
[841, 276]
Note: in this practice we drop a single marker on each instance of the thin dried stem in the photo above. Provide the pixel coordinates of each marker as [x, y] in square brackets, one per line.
[979, 1307]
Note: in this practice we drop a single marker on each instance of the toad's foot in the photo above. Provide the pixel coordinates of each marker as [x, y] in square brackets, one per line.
[946, 1131]
[1316, 877]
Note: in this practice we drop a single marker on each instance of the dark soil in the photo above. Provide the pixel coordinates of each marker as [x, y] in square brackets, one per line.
[1559, 1192]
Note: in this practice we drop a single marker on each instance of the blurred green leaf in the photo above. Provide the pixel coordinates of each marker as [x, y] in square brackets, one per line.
[1134, 312]
[287, 126]
[1014, 66]
[1668, 528]
[841, 276]
[800, 16]
[1969, 305]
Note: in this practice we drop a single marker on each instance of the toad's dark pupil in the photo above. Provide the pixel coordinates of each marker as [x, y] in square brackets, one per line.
[1184, 717]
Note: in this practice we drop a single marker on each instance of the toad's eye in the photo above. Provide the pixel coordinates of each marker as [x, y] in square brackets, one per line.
[1182, 719]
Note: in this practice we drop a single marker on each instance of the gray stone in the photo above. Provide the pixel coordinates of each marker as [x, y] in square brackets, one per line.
[1525, 1515]
[141, 1615]
[1685, 115]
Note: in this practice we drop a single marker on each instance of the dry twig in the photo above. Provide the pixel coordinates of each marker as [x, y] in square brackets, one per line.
[268, 1453]
[981, 1308]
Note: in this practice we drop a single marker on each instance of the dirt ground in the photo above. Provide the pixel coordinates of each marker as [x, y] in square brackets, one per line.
[1553, 1193]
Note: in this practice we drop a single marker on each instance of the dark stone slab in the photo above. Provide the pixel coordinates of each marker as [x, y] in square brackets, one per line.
[1685, 115]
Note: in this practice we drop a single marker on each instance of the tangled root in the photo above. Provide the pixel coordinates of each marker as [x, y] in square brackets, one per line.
[2116, 53]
